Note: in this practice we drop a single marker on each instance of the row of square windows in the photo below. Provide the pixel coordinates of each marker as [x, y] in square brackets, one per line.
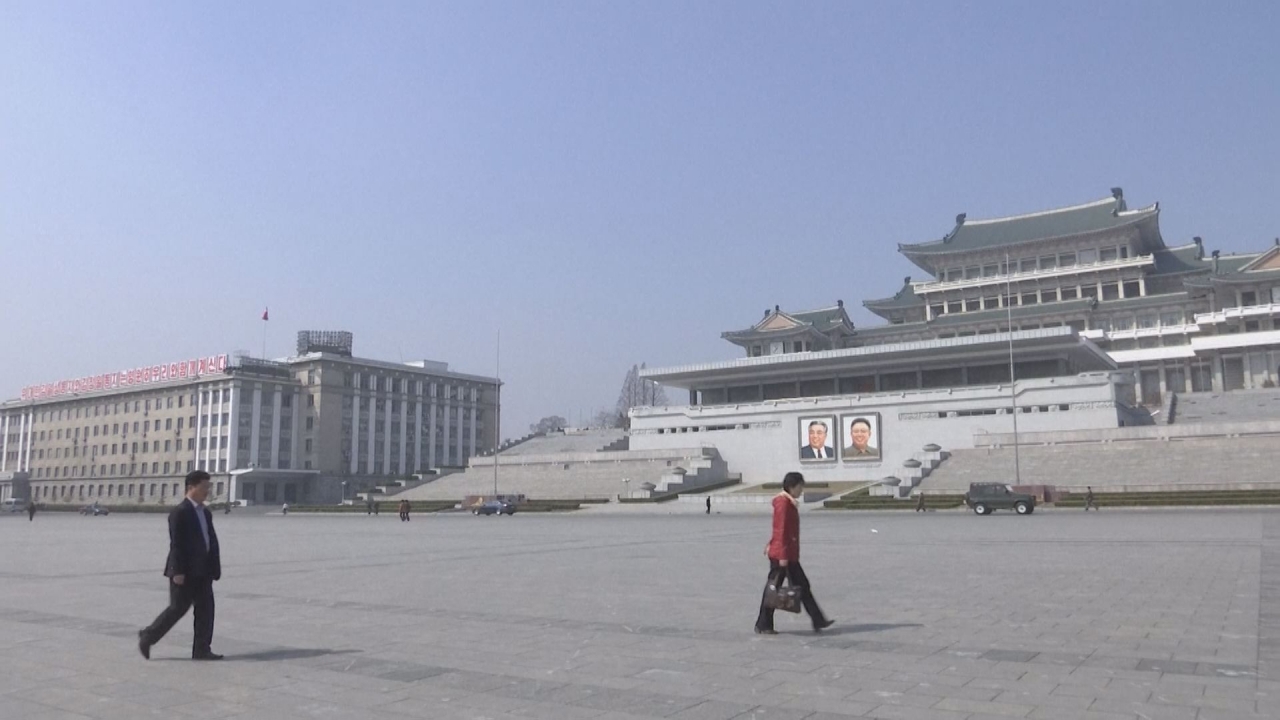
[115, 490]
[369, 381]
[1089, 256]
[145, 405]
[157, 468]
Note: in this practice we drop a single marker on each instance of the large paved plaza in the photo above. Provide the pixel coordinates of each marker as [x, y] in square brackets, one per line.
[943, 616]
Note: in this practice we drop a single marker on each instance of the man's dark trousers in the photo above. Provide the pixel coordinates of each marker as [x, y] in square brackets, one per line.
[196, 592]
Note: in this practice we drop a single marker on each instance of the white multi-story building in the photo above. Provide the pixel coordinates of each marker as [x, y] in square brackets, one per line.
[308, 428]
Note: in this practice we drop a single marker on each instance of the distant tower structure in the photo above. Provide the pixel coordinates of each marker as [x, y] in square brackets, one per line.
[336, 342]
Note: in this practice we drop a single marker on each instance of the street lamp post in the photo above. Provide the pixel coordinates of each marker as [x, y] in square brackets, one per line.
[344, 492]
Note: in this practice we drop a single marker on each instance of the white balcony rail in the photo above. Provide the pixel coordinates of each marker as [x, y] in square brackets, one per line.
[1237, 313]
[928, 286]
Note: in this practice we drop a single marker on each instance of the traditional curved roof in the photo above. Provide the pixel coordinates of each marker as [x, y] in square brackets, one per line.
[1096, 216]
[905, 298]
[779, 324]
[1182, 259]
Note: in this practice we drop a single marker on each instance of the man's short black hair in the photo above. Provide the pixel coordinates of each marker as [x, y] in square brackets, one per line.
[864, 421]
[195, 477]
[791, 480]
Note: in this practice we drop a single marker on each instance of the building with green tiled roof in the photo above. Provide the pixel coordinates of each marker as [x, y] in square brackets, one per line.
[1183, 319]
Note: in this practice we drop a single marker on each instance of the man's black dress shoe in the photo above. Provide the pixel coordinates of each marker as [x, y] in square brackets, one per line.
[144, 647]
[819, 627]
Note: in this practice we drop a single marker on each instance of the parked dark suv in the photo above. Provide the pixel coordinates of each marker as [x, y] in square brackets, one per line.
[985, 498]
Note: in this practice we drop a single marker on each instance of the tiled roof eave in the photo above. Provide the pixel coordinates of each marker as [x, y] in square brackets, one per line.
[938, 248]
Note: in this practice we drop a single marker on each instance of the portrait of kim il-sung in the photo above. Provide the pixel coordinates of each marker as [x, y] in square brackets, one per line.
[860, 437]
[815, 439]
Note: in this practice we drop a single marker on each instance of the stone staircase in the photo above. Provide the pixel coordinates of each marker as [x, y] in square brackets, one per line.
[914, 470]
[622, 443]
[394, 486]
[701, 472]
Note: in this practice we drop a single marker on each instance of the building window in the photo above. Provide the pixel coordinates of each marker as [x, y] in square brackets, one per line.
[1122, 322]
[1048, 262]
[1111, 291]
[1132, 289]
[972, 305]
[990, 303]
[1029, 298]
[1251, 326]
[1108, 254]
[1146, 321]
[954, 306]
[1172, 318]
[935, 310]
[1069, 293]
[1027, 265]
[990, 270]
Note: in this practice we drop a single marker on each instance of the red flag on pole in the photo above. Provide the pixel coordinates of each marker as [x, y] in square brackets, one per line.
[264, 314]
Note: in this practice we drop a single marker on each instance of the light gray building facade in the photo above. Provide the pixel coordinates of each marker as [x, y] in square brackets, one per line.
[312, 427]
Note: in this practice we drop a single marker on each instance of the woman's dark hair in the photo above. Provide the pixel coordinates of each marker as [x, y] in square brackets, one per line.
[791, 480]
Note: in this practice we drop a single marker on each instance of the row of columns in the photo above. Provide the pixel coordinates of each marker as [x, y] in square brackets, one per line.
[26, 421]
[370, 436]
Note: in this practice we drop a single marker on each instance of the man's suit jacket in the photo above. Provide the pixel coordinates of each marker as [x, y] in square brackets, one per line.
[807, 453]
[851, 452]
[187, 552]
[784, 543]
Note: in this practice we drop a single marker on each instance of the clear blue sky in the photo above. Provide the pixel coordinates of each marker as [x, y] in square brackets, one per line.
[607, 183]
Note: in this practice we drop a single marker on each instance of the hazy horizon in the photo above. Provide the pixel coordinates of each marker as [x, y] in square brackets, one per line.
[604, 184]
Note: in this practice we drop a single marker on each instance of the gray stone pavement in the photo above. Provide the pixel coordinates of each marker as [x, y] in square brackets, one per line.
[942, 616]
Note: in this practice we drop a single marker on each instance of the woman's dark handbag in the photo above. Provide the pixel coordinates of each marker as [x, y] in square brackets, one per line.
[785, 598]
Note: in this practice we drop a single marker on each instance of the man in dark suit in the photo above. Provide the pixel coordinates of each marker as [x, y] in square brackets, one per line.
[817, 449]
[194, 563]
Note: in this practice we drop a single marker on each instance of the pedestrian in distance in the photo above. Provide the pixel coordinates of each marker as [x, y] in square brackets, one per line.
[1089, 501]
[920, 502]
[783, 552]
[404, 511]
[31, 511]
[193, 565]
[368, 506]
[708, 504]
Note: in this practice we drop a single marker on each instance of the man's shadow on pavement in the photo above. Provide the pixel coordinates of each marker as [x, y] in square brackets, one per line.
[838, 629]
[279, 654]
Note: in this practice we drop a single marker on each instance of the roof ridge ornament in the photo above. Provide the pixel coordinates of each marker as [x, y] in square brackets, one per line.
[1118, 194]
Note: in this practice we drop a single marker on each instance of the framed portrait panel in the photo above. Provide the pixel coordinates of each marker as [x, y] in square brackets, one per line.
[860, 439]
[817, 439]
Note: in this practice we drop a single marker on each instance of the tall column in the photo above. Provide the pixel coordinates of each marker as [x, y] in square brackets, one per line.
[198, 425]
[215, 400]
[471, 441]
[277, 405]
[373, 423]
[255, 430]
[431, 433]
[354, 465]
[4, 444]
[461, 411]
[22, 436]
[448, 420]
[404, 433]
[31, 435]
[417, 435]
[233, 435]
[296, 420]
[386, 435]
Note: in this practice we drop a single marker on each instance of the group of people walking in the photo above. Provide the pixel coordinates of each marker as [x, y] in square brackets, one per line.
[194, 563]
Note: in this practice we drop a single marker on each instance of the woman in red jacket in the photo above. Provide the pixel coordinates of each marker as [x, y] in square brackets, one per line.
[783, 552]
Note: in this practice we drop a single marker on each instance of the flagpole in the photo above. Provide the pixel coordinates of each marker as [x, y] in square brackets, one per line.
[497, 412]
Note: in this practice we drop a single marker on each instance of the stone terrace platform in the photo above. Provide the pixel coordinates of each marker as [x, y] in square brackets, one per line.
[620, 617]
